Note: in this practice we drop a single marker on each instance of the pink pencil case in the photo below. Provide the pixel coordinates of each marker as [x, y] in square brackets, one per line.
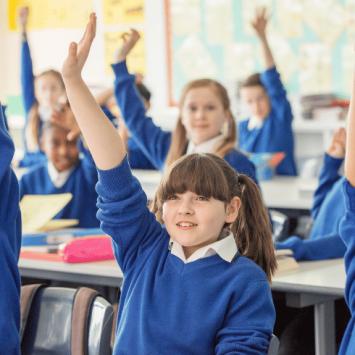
[86, 249]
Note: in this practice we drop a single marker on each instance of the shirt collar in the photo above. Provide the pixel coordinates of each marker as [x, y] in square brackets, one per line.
[225, 247]
[204, 147]
[58, 178]
[255, 123]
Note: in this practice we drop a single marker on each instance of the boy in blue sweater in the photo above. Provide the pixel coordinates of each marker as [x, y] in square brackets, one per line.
[199, 284]
[65, 172]
[347, 229]
[328, 209]
[10, 244]
[269, 129]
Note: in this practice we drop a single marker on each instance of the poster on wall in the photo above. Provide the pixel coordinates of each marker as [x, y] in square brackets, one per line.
[123, 11]
[45, 14]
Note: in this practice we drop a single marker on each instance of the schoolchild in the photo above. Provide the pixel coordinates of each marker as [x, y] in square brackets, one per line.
[10, 244]
[205, 123]
[269, 128]
[199, 285]
[65, 172]
[347, 228]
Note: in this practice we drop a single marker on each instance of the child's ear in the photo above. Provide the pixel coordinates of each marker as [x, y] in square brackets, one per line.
[233, 209]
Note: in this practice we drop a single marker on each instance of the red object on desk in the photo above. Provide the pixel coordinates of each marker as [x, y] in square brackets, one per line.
[40, 255]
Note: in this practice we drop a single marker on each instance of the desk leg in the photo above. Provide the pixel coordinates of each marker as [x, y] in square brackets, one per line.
[324, 328]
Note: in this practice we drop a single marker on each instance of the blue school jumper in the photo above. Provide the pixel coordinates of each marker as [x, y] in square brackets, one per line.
[208, 306]
[275, 135]
[81, 183]
[10, 244]
[328, 209]
[152, 140]
[347, 233]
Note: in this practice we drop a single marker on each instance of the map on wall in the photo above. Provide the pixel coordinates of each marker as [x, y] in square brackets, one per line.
[311, 42]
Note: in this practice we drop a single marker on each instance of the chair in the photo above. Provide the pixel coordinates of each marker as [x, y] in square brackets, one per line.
[273, 345]
[50, 316]
[281, 226]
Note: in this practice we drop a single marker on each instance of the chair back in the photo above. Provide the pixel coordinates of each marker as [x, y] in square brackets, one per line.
[274, 344]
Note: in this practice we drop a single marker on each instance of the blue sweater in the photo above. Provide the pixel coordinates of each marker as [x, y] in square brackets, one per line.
[28, 96]
[205, 307]
[152, 140]
[276, 134]
[347, 228]
[10, 244]
[81, 183]
[328, 209]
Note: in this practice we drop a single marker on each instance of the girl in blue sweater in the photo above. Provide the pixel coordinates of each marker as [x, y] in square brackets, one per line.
[269, 129]
[199, 285]
[347, 230]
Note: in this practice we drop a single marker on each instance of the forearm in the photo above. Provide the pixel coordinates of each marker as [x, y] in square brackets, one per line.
[268, 58]
[350, 142]
[103, 140]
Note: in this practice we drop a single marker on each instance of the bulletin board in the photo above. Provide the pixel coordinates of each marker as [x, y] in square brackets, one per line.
[312, 42]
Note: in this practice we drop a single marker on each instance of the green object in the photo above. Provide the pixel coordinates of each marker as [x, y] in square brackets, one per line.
[15, 106]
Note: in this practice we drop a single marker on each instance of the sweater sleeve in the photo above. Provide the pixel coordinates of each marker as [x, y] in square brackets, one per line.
[347, 228]
[124, 215]
[153, 141]
[27, 78]
[249, 323]
[327, 247]
[329, 175]
[277, 94]
[10, 244]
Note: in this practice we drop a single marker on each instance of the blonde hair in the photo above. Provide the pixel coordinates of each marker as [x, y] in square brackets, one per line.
[33, 126]
[179, 135]
[211, 176]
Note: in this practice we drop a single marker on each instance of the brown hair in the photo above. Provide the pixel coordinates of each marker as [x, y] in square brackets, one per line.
[211, 176]
[33, 125]
[252, 80]
[179, 136]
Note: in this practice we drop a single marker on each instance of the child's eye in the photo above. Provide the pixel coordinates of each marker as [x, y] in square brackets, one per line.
[192, 108]
[202, 198]
[210, 108]
[172, 197]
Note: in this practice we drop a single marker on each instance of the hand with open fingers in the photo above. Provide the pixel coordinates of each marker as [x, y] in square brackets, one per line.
[65, 118]
[337, 146]
[79, 52]
[260, 21]
[129, 41]
[23, 14]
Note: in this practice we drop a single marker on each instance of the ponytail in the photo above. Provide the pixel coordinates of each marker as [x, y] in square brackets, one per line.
[32, 129]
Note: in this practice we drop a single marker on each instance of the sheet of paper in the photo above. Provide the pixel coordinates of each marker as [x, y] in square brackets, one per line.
[219, 21]
[136, 58]
[58, 224]
[37, 210]
[238, 60]
[51, 14]
[185, 17]
[348, 60]
[195, 60]
[325, 18]
[289, 17]
[123, 11]
[315, 68]
[248, 13]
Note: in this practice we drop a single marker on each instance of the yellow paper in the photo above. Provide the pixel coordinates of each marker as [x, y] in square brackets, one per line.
[51, 13]
[135, 59]
[123, 11]
[37, 210]
[59, 223]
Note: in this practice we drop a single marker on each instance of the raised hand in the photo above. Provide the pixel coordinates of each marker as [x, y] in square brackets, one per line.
[65, 118]
[23, 14]
[260, 21]
[79, 52]
[129, 41]
[337, 146]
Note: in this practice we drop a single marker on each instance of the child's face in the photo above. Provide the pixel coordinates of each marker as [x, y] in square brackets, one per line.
[203, 114]
[195, 221]
[62, 153]
[257, 101]
[48, 90]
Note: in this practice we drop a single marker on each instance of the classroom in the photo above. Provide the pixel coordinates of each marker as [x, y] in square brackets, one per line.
[139, 148]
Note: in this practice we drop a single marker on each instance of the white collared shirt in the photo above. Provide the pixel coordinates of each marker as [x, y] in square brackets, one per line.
[204, 147]
[254, 123]
[58, 178]
[225, 247]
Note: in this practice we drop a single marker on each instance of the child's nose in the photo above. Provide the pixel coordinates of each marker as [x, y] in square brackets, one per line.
[185, 208]
[63, 149]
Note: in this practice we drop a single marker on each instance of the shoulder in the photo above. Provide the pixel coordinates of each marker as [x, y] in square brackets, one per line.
[38, 170]
[251, 272]
[243, 125]
[238, 160]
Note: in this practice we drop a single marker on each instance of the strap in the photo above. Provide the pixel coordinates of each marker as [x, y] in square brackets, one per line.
[114, 322]
[83, 301]
[28, 294]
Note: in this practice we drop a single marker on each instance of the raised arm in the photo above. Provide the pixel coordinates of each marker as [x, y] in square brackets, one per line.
[102, 138]
[259, 23]
[350, 143]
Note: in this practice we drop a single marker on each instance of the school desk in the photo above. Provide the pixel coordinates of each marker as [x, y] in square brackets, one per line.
[316, 283]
